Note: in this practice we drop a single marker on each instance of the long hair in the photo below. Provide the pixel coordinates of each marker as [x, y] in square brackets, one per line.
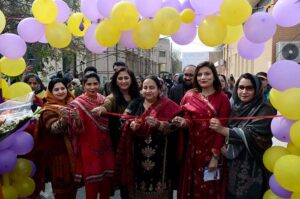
[32, 75]
[133, 88]
[216, 84]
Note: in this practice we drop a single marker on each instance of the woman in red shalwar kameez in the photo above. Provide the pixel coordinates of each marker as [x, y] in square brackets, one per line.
[203, 145]
[92, 143]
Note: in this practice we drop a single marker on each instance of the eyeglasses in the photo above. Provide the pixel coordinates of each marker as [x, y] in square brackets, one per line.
[248, 88]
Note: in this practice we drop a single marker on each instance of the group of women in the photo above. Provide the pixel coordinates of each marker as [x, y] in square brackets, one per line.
[148, 145]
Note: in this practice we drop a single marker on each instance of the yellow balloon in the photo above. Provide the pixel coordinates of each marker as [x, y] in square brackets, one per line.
[295, 133]
[24, 186]
[293, 149]
[12, 67]
[235, 12]
[107, 33]
[295, 195]
[23, 168]
[45, 11]
[2, 21]
[270, 195]
[287, 172]
[58, 35]
[234, 33]
[124, 15]
[167, 21]
[9, 192]
[78, 24]
[18, 89]
[212, 31]
[272, 154]
[289, 104]
[4, 87]
[275, 97]
[187, 15]
[144, 34]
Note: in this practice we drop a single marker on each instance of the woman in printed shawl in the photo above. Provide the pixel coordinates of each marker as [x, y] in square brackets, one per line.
[203, 145]
[92, 142]
[146, 149]
[247, 139]
[55, 157]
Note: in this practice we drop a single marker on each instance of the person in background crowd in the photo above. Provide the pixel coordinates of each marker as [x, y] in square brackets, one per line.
[92, 143]
[116, 66]
[55, 160]
[224, 85]
[176, 79]
[146, 158]
[139, 80]
[203, 145]
[231, 82]
[177, 92]
[124, 89]
[37, 87]
[164, 87]
[263, 76]
[246, 140]
[59, 74]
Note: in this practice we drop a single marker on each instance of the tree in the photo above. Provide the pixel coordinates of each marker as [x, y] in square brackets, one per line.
[176, 61]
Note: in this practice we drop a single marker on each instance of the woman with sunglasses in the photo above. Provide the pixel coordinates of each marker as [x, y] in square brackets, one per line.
[246, 140]
[203, 145]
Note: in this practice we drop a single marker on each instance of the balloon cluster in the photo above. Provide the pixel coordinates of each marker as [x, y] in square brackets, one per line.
[284, 162]
[16, 172]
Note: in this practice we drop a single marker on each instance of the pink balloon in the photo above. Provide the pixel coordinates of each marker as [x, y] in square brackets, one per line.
[12, 46]
[206, 7]
[90, 10]
[172, 3]
[105, 6]
[281, 128]
[287, 13]
[63, 11]
[260, 27]
[186, 34]
[284, 74]
[126, 39]
[148, 8]
[249, 50]
[90, 41]
[30, 29]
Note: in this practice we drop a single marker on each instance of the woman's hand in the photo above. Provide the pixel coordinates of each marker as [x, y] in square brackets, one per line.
[135, 125]
[99, 111]
[64, 113]
[179, 121]
[152, 121]
[213, 164]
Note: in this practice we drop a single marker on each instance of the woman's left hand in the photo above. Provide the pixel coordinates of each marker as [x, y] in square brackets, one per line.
[215, 124]
[151, 121]
[213, 164]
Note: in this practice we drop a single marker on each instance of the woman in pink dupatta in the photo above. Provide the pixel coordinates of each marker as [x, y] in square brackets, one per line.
[203, 145]
[92, 143]
[147, 153]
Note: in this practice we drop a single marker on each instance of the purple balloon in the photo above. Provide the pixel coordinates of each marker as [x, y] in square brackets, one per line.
[90, 40]
[33, 170]
[148, 8]
[30, 29]
[63, 11]
[12, 46]
[206, 7]
[172, 3]
[105, 7]
[249, 50]
[8, 161]
[186, 34]
[284, 74]
[278, 189]
[199, 18]
[260, 27]
[43, 40]
[7, 142]
[186, 4]
[126, 39]
[287, 13]
[23, 143]
[90, 10]
[280, 127]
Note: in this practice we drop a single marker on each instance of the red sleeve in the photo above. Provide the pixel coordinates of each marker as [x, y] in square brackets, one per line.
[224, 111]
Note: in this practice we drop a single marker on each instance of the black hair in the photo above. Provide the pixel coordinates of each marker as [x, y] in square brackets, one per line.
[133, 88]
[88, 75]
[55, 81]
[119, 63]
[155, 79]
[216, 84]
[224, 77]
[90, 69]
[32, 75]
[264, 74]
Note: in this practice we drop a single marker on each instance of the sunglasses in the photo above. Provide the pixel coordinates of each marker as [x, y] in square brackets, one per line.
[248, 88]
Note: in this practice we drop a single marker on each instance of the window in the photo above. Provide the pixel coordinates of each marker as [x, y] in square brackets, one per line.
[162, 53]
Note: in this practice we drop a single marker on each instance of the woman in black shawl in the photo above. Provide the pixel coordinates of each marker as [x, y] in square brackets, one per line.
[246, 140]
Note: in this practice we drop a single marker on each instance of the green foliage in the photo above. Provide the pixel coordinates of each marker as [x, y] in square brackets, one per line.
[176, 62]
